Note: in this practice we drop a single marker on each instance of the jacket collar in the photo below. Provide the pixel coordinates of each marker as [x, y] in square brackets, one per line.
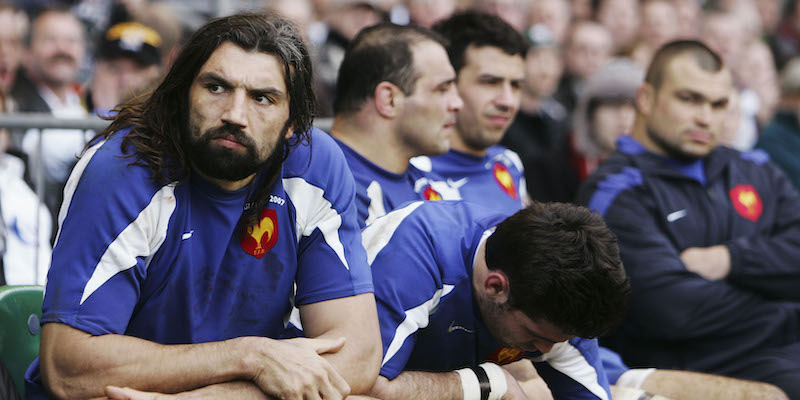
[702, 170]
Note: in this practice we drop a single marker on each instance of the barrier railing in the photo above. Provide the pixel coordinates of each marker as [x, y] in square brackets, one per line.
[25, 121]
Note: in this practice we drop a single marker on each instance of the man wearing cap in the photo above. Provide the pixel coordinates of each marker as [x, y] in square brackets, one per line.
[128, 62]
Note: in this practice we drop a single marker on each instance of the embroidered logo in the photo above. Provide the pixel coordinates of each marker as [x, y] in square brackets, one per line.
[746, 201]
[259, 239]
[430, 194]
[504, 355]
[503, 178]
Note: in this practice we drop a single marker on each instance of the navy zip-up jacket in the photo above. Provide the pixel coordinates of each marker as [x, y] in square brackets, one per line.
[659, 207]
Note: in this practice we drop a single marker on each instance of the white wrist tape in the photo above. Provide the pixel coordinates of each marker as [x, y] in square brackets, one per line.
[497, 379]
[469, 384]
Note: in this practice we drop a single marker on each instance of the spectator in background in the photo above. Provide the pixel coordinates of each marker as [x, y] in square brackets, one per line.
[13, 28]
[425, 13]
[781, 138]
[588, 46]
[554, 15]
[621, 18]
[786, 41]
[539, 130]
[28, 224]
[659, 23]
[725, 33]
[396, 99]
[605, 112]
[299, 12]
[25, 236]
[756, 71]
[514, 12]
[344, 18]
[708, 235]
[689, 16]
[128, 63]
[488, 55]
[49, 84]
[769, 11]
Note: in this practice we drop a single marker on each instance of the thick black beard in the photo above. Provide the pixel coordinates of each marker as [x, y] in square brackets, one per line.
[227, 164]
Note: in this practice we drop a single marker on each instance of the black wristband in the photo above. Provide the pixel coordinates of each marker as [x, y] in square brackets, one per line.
[483, 380]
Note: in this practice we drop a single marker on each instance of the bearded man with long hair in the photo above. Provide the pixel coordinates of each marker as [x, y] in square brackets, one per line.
[199, 224]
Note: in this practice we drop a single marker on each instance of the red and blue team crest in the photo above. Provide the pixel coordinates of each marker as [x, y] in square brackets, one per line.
[259, 239]
[504, 355]
[503, 178]
[747, 202]
[430, 194]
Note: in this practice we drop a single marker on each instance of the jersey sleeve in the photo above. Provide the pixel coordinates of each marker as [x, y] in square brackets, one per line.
[766, 262]
[573, 370]
[113, 220]
[331, 259]
[408, 287]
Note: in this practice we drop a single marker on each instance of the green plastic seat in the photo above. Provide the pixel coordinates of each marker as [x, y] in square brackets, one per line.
[20, 312]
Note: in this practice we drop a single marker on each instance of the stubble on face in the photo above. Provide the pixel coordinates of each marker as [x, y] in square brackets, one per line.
[226, 163]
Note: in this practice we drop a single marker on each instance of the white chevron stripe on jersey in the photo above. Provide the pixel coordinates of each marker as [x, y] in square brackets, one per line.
[567, 359]
[315, 212]
[141, 238]
[416, 318]
[376, 236]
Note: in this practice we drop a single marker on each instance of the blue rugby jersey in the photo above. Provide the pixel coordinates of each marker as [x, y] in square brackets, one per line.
[422, 256]
[166, 263]
[379, 191]
[496, 180]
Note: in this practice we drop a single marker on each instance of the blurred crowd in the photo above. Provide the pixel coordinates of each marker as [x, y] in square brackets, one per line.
[74, 59]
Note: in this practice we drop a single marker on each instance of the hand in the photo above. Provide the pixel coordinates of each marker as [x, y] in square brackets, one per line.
[529, 380]
[126, 393]
[713, 263]
[293, 369]
[514, 391]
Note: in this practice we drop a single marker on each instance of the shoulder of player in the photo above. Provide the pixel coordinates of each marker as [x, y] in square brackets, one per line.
[108, 167]
[318, 160]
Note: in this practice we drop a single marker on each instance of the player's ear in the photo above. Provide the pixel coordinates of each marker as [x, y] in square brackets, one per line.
[645, 98]
[388, 99]
[496, 286]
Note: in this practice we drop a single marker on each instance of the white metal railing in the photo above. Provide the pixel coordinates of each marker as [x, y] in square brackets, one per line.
[25, 121]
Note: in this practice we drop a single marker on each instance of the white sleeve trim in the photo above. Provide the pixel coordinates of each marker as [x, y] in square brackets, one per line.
[376, 236]
[141, 238]
[568, 360]
[416, 318]
[376, 208]
[72, 184]
[315, 212]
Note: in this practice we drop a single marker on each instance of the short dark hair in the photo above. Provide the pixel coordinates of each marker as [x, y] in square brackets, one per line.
[478, 29]
[380, 53]
[563, 266]
[706, 58]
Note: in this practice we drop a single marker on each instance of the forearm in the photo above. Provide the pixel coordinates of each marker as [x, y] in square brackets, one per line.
[419, 385]
[75, 364]
[359, 360]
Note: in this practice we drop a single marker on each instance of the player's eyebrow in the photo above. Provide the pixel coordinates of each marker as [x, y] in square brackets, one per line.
[213, 77]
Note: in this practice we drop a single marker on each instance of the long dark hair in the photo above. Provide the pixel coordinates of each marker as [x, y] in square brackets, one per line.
[158, 122]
